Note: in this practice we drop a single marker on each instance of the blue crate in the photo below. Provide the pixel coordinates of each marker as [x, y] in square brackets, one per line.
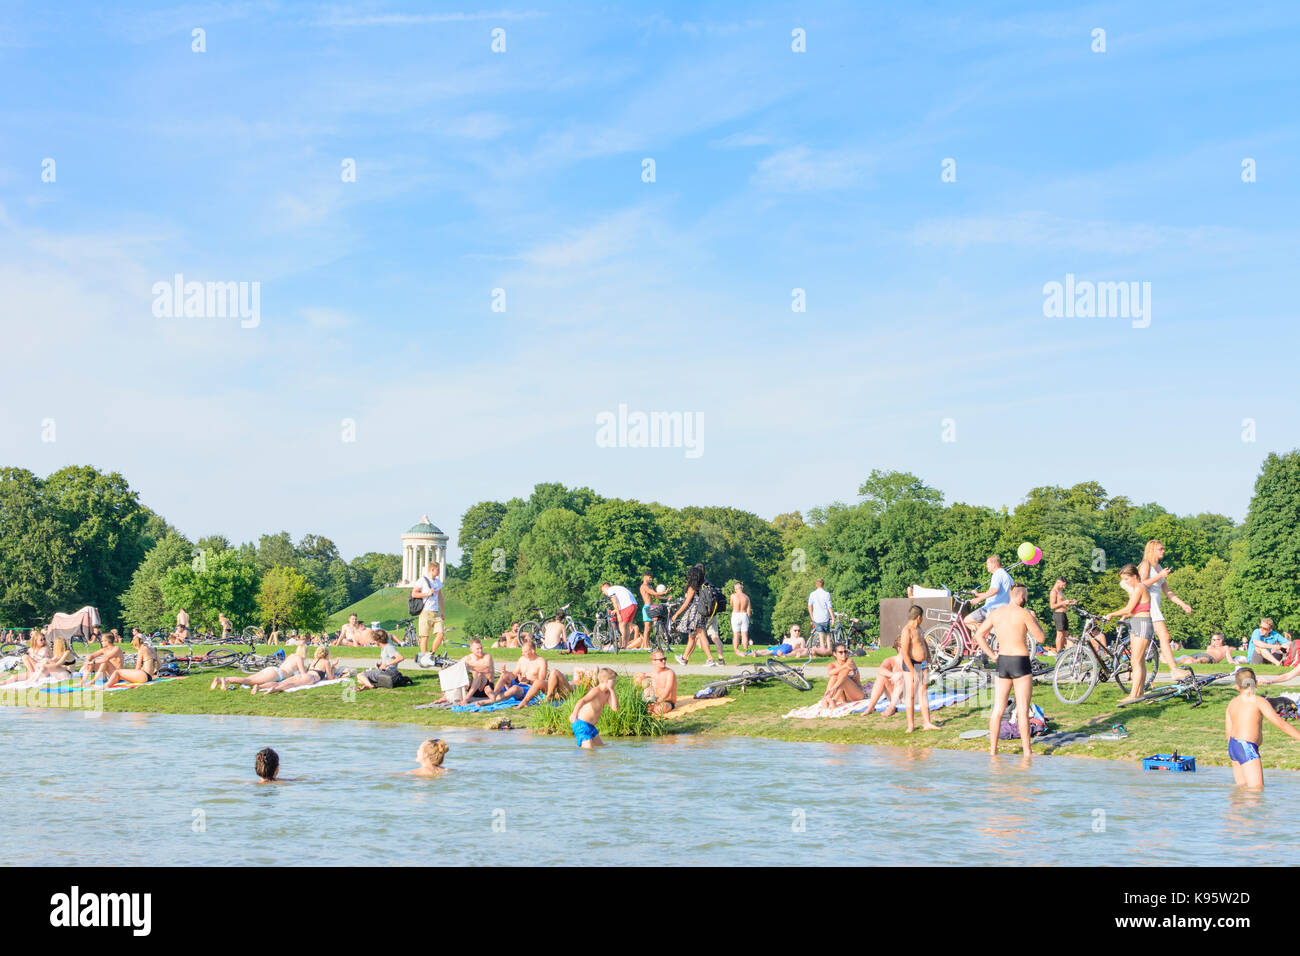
[1171, 761]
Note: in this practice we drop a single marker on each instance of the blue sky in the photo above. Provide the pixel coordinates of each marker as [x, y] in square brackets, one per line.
[522, 170]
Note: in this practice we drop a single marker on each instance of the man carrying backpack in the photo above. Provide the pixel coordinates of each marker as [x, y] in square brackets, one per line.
[428, 593]
[700, 604]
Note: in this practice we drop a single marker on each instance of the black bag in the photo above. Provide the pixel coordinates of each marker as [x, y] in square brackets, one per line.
[1285, 707]
[390, 678]
[710, 601]
[414, 606]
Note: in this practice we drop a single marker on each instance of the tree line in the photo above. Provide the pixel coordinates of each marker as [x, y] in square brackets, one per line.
[81, 536]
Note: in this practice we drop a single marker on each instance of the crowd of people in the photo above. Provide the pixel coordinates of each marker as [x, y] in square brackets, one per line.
[999, 609]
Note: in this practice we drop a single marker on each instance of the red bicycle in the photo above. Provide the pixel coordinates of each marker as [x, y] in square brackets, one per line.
[949, 639]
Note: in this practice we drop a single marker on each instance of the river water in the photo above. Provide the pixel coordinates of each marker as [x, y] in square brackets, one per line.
[181, 791]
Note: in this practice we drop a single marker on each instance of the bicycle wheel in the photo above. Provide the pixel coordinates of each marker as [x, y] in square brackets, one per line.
[253, 635]
[531, 629]
[945, 644]
[1124, 669]
[1160, 695]
[1076, 673]
[214, 659]
[786, 673]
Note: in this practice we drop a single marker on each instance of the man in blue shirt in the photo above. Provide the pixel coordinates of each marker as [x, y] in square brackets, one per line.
[429, 587]
[998, 594]
[1267, 646]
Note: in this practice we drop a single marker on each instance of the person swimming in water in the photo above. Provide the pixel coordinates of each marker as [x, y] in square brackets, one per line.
[587, 712]
[429, 757]
[1244, 726]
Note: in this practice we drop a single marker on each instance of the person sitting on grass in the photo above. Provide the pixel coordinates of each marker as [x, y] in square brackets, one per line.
[1217, 653]
[146, 669]
[557, 686]
[109, 654]
[481, 669]
[321, 669]
[429, 756]
[1244, 728]
[890, 683]
[267, 765]
[59, 664]
[1266, 645]
[587, 712]
[34, 660]
[660, 684]
[843, 684]
[389, 658]
[508, 638]
[294, 664]
[525, 681]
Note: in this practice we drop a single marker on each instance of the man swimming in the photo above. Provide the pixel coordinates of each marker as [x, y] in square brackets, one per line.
[587, 712]
[1015, 626]
[1244, 726]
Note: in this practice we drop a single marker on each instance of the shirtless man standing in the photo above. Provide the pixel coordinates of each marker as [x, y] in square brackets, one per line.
[1015, 626]
[913, 662]
[1059, 605]
[650, 595]
[739, 620]
[182, 635]
[660, 684]
[227, 629]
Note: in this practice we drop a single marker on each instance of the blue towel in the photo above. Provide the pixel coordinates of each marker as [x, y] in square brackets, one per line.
[486, 708]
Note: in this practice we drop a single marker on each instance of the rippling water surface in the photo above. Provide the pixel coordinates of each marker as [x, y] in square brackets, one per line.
[183, 793]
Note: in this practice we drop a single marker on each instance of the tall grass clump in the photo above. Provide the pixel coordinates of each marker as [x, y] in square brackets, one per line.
[632, 719]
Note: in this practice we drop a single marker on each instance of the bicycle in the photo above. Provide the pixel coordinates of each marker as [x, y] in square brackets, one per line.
[951, 643]
[535, 629]
[605, 633]
[410, 633]
[857, 632]
[253, 663]
[770, 669]
[661, 634]
[1189, 687]
[1091, 659]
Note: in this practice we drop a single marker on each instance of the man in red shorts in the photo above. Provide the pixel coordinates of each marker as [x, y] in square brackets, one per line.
[625, 606]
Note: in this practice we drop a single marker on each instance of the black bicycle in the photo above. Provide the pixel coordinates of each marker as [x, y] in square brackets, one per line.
[1091, 659]
[854, 637]
[1188, 687]
[661, 631]
[770, 669]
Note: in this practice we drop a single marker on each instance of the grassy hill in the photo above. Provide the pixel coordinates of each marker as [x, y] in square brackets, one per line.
[388, 606]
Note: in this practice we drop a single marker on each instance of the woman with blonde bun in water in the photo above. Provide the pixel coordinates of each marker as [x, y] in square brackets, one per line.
[429, 756]
[1152, 577]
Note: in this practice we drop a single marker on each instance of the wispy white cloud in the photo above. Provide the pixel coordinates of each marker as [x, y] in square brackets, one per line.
[800, 169]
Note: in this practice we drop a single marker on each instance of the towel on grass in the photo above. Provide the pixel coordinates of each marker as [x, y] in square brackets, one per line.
[812, 711]
[319, 683]
[693, 705]
[487, 708]
[99, 685]
[30, 684]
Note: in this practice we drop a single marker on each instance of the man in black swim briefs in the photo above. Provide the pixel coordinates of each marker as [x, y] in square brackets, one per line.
[1016, 627]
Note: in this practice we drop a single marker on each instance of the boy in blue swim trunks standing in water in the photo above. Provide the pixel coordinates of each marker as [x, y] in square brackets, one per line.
[587, 712]
[1244, 726]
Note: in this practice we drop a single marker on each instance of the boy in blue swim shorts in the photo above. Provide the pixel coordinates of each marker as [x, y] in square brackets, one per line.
[1244, 726]
[587, 713]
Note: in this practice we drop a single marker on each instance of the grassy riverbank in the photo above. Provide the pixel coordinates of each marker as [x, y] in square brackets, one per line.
[1157, 728]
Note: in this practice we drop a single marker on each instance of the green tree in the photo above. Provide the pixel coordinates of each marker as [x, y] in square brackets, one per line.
[1265, 579]
[882, 489]
[143, 604]
[224, 585]
[286, 599]
[1205, 589]
[479, 523]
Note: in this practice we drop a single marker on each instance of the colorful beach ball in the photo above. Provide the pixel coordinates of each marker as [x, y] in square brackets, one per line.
[1026, 553]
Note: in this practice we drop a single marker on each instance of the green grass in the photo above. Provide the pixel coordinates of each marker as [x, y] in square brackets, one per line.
[757, 712]
[632, 719]
[388, 607]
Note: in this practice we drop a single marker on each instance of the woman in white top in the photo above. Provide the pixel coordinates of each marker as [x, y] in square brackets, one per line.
[1152, 577]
